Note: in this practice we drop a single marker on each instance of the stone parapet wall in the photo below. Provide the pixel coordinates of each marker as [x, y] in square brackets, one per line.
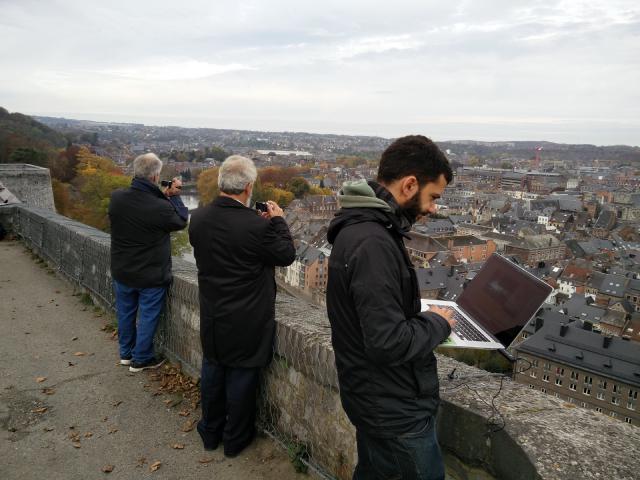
[31, 184]
[488, 426]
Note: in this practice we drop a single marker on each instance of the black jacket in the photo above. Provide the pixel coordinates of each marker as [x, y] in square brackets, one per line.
[141, 219]
[383, 346]
[236, 251]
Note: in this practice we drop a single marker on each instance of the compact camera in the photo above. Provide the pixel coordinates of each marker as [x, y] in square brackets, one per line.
[166, 183]
[261, 207]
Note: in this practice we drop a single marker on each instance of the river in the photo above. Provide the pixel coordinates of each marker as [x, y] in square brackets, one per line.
[191, 201]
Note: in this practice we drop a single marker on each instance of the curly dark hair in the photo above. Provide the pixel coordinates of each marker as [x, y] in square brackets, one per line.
[414, 155]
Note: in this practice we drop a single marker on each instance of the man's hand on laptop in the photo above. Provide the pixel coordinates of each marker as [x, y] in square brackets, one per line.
[446, 313]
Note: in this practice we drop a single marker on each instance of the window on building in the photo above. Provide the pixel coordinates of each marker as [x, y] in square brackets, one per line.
[631, 405]
[615, 400]
[633, 394]
[543, 390]
[586, 390]
[572, 386]
[575, 375]
[545, 378]
[534, 363]
[613, 414]
[583, 405]
[560, 371]
[534, 374]
[532, 386]
[570, 400]
[600, 396]
[602, 384]
[559, 382]
[628, 420]
[598, 409]
[547, 366]
[588, 380]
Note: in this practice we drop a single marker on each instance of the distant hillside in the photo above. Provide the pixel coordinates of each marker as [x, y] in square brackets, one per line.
[26, 140]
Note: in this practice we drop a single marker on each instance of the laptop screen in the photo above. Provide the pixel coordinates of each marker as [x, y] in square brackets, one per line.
[503, 297]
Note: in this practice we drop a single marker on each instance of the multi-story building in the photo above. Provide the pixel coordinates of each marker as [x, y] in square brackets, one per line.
[584, 368]
[537, 248]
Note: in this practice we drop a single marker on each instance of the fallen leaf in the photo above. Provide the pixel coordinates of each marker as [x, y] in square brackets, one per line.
[79, 354]
[168, 401]
[141, 461]
[74, 436]
[206, 460]
[48, 391]
[184, 413]
[117, 402]
[107, 468]
[112, 430]
[71, 364]
[105, 419]
[39, 410]
[41, 379]
[187, 427]
[154, 466]
[73, 339]
[48, 429]
[178, 446]
[76, 444]
[88, 435]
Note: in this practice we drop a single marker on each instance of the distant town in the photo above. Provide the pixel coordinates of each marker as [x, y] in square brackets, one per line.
[570, 214]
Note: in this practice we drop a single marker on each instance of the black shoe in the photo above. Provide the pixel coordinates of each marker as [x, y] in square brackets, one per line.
[232, 452]
[208, 445]
[149, 364]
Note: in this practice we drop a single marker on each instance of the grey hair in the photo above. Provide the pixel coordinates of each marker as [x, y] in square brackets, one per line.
[235, 173]
[147, 166]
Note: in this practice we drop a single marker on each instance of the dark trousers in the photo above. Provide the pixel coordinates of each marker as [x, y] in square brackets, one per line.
[411, 456]
[228, 400]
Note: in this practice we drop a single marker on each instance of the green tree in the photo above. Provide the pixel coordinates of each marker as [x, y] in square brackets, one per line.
[29, 155]
[298, 186]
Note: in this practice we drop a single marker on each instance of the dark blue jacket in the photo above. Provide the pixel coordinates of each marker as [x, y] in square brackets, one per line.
[142, 218]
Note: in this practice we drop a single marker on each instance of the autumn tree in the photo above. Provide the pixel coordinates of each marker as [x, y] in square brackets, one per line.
[207, 185]
[298, 186]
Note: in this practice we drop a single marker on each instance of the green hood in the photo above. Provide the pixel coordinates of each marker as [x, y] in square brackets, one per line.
[358, 194]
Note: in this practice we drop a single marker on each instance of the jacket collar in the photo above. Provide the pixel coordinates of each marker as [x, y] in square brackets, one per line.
[400, 222]
[221, 201]
[144, 185]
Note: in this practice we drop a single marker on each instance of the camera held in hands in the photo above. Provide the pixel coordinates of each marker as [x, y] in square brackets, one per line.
[166, 183]
[262, 207]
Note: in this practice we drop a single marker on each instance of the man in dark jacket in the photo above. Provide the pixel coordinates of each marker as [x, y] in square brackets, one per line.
[383, 344]
[142, 216]
[236, 250]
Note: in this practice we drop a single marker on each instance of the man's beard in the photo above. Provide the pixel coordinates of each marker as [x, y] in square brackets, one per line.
[411, 210]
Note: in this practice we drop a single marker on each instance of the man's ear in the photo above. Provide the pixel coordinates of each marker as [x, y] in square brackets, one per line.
[409, 186]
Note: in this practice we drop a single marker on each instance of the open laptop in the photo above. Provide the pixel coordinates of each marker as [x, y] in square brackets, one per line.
[494, 306]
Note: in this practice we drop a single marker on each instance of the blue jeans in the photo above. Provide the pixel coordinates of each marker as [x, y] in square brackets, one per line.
[136, 340]
[411, 456]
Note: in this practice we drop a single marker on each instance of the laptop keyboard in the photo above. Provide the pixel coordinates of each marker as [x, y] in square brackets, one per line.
[465, 329]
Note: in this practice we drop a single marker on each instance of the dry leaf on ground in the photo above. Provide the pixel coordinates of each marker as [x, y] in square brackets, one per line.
[178, 446]
[154, 466]
[76, 444]
[116, 403]
[41, 379]
[39, 410]
[184, 413]
[189, 425]
[48, 391]
[80, 354]
[206, 460]
[107, 468]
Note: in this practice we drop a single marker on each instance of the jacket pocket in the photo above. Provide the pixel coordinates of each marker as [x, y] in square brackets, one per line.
[426, 377]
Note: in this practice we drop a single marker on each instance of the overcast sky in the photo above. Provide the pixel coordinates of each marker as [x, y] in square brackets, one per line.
[566, 71]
